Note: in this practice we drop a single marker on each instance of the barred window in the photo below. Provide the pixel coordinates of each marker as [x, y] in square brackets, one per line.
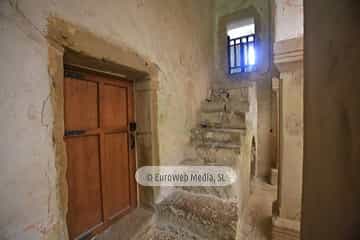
[241, 46]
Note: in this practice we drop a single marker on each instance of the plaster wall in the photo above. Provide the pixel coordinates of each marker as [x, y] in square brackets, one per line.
[289, 19]
[175, 35]
[332, 115]
[228, 9]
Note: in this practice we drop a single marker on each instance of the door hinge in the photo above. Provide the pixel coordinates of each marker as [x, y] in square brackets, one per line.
[74, 133]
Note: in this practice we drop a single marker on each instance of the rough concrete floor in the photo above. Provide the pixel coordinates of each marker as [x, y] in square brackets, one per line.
[256, 223]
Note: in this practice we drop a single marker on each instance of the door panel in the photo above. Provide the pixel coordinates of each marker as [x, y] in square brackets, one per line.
[101, 164]
[114, 105]
[116, 188]
[81, 104]
[84, 184]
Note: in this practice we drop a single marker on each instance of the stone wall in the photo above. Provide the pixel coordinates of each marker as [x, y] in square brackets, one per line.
[176, 36]
[289, 19]
[226, 11]
[332, 115]
[288, 58]
[292, 143]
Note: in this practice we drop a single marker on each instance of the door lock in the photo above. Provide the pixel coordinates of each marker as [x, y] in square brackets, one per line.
[132, 126]
[132, 130]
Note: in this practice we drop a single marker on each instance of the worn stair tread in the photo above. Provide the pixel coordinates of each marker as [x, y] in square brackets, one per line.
[206, 125]
[237, 106]
[209, 144]
[162, 231]
[230, 106]
[222, 192]
[218, 156]
[192, 162]
[207, 216]
[225, 130]
[241, 130]
[226, 139]
[213, 106]
[223, 120]
[226, 193]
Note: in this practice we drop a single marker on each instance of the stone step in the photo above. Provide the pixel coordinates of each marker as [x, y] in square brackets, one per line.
[217, 145]
[235, 106]
[222, 120]
[226, 192]
[212, 106]
[239, 94]
[221, 94]
[165, 231]
[206, 216]
[231, 106]
[202, 135]
[192, 162]
[218, 156]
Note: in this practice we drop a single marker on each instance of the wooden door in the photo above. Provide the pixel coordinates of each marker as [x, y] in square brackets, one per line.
[100, 150]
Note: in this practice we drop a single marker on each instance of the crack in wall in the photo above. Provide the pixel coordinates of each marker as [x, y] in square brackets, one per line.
[43, 111]
[14, 5]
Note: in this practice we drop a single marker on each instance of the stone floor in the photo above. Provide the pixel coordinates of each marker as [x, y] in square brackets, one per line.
[256, 223]
[163, 231]
[128, 226]
[143, 225]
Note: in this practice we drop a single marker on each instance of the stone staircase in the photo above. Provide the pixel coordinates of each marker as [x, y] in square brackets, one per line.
[201, 213]
[218, 138]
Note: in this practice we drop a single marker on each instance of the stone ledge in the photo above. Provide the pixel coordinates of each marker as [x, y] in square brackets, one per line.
[288, 52]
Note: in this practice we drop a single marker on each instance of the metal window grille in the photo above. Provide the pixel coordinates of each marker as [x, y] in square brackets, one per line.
[241, 54]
